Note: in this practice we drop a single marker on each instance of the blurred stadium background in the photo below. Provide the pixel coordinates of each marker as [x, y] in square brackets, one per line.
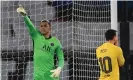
[79, 25]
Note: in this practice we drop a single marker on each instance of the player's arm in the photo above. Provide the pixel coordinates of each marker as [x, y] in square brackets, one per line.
[31, 28]
[60, 56]
[120, 57]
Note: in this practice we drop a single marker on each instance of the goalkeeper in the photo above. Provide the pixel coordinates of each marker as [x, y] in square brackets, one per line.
[45, 46]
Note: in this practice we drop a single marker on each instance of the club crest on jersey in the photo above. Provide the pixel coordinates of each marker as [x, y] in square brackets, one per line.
[52, 44]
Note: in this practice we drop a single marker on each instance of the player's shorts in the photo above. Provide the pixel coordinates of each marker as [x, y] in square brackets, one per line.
[43, 76]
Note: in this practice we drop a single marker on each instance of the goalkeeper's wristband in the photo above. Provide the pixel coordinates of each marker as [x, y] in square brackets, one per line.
[24, 14]
[59, 68]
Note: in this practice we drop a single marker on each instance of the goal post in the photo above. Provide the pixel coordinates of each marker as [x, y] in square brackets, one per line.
[114, 20]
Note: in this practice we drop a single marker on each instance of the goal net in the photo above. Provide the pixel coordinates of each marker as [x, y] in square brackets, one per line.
[79, 25]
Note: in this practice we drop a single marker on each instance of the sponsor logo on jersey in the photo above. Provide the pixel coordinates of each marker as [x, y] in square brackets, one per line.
[46, 48]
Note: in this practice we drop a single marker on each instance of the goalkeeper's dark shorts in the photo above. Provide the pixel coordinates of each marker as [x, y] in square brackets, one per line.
[39, 75]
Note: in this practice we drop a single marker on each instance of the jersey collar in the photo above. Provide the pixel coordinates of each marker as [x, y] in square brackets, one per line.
[49, 37]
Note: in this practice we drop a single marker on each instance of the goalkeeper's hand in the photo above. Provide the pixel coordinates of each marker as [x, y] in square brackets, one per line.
[21, 10]
[56, 72]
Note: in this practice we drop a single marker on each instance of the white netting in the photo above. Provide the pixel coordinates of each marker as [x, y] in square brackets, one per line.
[91, 20]
[79, 25]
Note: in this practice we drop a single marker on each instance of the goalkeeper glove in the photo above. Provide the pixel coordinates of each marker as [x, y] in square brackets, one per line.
[21, 10]
[56, 72]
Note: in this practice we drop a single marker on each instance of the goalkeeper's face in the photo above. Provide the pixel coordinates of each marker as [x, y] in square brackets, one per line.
[45, 28]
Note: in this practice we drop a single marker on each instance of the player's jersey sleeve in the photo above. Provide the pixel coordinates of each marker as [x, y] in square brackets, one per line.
[120, 57]
[97, 53]
[31, 28]
[60, 55]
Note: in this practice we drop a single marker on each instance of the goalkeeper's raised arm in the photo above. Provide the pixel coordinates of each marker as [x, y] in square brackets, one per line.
[45, 47]
[31, 28]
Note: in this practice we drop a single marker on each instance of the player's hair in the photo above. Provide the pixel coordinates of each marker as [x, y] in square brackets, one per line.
[47, 22]
[109, 34]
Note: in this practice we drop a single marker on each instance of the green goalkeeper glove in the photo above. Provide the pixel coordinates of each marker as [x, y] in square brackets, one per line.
[56, 72]
[21, 10]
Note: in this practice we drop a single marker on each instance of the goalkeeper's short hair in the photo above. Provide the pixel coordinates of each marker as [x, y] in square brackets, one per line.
[47, 22]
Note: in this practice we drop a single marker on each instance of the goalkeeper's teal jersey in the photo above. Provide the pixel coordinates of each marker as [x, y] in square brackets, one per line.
[44, 49]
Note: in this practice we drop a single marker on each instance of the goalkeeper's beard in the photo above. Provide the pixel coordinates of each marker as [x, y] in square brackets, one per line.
[46, 34]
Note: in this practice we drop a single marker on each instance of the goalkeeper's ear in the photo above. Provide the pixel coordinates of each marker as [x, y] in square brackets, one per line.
[21, 10]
